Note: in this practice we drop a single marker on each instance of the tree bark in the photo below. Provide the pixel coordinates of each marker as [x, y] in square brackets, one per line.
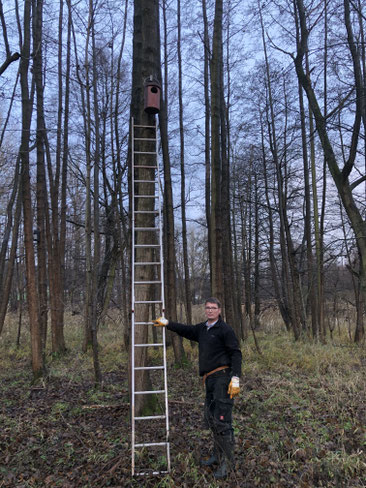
[32, 293]
[217, 285]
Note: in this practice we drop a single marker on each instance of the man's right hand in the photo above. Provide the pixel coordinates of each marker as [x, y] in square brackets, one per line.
[234, 388]
[160, 322]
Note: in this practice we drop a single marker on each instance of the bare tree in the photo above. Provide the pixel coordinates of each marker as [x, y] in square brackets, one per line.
[340, 175]
[216, 231]
[32, 293]
[42, 203]
[169, 232]
[187, 281]
[12, 228]
[290, 281]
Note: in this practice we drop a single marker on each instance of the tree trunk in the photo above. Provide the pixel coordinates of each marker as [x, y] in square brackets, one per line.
[146, 62]
[42, 203]
[7, 278]
[64, 171]
[257, 275]
[32, 294]
[217, 285]
[9, 223]
[88, 338]
[280, 297]
[187, 281]
[58, 222]
[206, 86]
[120, 172]
[236, 209]
[96, 243]
[312, 283]
[169, 232]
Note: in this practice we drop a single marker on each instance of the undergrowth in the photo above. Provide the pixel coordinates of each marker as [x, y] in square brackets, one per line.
[299, 421]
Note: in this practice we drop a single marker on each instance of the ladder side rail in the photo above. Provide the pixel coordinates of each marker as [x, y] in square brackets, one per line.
[159, 191]
[166, 400]
[159, 203]
[133, 300]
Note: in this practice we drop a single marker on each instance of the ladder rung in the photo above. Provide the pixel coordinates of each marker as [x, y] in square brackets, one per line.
[143, 323]
[146, 181]
[145, 368]
[146, 211]
[148, 301]
[155, 344]
[146, 196]
[145, 126]
[150, 417]
[147, 228]
[144, 139]
[144, 152]
[145, 166]
[147, 245]
[145, 473]
[149, 392]
[147, 282]
[147, 263]
[149, 444]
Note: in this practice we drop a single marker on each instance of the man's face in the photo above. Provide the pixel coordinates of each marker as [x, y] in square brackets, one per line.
[212, 311]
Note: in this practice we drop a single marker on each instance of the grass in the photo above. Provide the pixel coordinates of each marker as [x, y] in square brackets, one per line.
[309, 406]
[299, 422]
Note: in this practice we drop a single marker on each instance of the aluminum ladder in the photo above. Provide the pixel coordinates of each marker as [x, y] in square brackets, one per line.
[146, 193]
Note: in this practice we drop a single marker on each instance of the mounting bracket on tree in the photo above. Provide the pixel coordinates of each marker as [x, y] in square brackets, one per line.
[152, 95]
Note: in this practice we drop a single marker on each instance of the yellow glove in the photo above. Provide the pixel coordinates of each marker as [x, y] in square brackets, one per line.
[160, 322]
[234, 388]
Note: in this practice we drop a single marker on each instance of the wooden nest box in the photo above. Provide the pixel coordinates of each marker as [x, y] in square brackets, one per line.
[152, 95]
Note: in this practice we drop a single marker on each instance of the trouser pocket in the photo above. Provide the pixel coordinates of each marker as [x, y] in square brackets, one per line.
[222, 416]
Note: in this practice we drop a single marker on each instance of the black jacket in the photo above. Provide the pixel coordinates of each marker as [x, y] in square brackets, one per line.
[218, 346]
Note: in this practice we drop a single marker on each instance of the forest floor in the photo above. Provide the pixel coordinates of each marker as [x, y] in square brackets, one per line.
[300, 420]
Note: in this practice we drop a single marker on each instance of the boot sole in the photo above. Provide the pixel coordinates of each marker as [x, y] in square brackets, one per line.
[205, 463]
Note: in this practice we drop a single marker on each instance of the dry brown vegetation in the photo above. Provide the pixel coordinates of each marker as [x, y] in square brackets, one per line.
[299, 422]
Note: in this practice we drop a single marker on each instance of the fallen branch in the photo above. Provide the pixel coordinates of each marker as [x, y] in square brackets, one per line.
[90, 407]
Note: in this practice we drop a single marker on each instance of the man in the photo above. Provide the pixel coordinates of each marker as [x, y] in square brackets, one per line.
[220, 366]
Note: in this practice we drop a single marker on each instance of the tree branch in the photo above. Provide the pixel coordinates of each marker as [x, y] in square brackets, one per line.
[357, 182]
[359, 98]
[5, 35]
[10, 59]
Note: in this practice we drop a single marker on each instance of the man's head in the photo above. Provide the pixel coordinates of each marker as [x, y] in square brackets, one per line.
[212, 309]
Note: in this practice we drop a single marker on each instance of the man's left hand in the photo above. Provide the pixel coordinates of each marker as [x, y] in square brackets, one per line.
[160, 322]
[234, 388]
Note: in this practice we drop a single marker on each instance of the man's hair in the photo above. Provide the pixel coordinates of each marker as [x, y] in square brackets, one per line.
[213, 300]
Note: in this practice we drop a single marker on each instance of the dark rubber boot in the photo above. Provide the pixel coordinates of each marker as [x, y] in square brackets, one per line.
[226, 445]
[213, 459]
[222, 471]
